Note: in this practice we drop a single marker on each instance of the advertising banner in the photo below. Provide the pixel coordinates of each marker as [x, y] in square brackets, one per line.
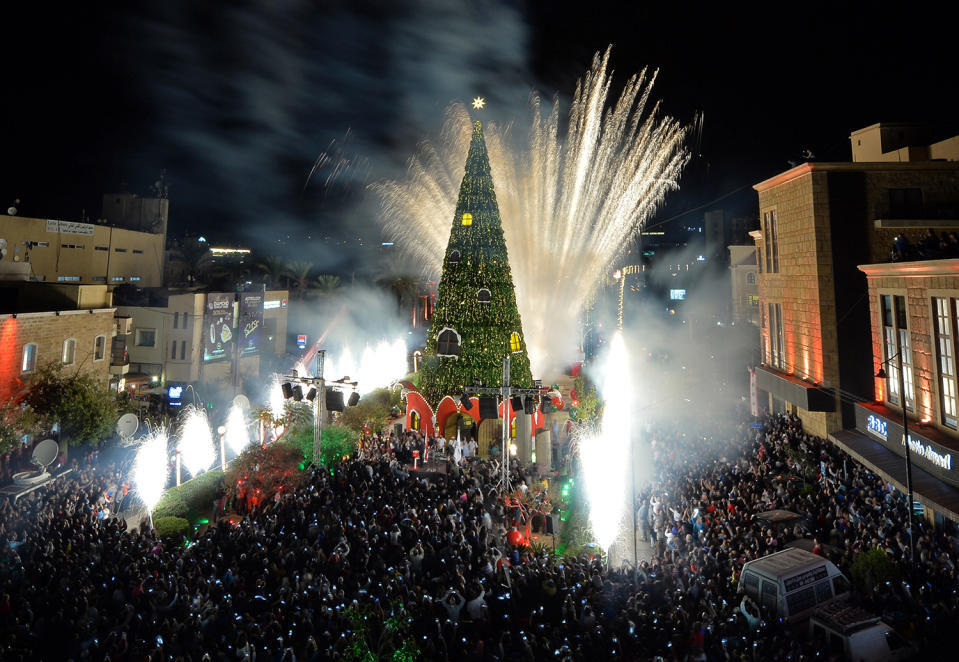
[753, 393]
[251, 320]
[218, 327]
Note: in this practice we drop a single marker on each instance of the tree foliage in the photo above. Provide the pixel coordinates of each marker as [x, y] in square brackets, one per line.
[373, 410]
[336, 443]
[85, 409]
[476, 260]
[15, 421]
[259, 472]
[871, 567]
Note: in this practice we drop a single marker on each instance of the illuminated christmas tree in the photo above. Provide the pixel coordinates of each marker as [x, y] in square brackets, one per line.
[476, 323]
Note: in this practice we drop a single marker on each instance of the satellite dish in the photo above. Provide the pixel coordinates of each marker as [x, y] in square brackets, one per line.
[127, 426]
[3, 242]
[12, 211]
[45, 453]
[242, 402]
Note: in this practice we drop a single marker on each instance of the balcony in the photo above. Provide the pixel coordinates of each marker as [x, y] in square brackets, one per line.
[119, 357]
[123, 325]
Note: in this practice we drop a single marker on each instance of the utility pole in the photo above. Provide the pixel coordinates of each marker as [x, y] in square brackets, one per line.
[319, 407]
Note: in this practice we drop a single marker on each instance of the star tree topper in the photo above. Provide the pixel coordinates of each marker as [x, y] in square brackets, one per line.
[479, 102]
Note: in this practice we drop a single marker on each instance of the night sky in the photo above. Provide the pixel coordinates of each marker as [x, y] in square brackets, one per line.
[235, 101]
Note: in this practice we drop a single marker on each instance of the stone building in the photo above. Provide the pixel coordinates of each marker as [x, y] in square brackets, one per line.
[818, 222]
[745, 291]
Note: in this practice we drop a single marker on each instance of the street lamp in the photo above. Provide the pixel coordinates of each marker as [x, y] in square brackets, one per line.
[881, 374]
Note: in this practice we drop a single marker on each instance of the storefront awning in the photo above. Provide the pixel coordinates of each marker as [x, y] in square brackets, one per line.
[800, 393]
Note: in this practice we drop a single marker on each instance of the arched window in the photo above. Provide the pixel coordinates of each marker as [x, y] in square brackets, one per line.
[484, 296]
[448, 343]
[414, 420]
[467, 219]
[454, 257]
[69, 351]
[28, 362]
[515, 344]
[751, 278]
[99, 348]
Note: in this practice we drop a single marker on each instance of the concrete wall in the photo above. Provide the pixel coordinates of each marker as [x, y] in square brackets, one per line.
[109, 255]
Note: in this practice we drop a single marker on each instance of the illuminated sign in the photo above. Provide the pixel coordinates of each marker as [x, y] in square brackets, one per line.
[218, 326]
[677, 295]
[926, 451]
[175, 392]
[270, 304]
[251, 320]
[876, 425]
[301, 341]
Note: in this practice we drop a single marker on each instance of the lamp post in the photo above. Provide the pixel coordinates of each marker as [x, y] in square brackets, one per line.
[905, 442]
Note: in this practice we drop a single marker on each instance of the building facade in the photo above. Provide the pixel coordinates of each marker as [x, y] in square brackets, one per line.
[743, 284]
[818, 222]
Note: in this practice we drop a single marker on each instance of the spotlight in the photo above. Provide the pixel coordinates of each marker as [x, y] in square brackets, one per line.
[354, 399]
[287, 389]
[297, 392]
[881, 374]
[311, 394]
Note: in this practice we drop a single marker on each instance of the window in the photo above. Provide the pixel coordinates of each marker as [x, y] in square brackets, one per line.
[751, 585]
[99, 348]
[68, 279]
[895, 341]
[173, 349]
[448, 343]
[186, 320]
[137, 251]
[515, 344]
[750, 278]
[777, 350]
[117, 279]
[28, 361]
[182, 350]
[99, 279]
[454, 257]
[69, 351]
[467, 219]
[134, 278]
[947, 360]
[484, 296]
[146, 338]
[753, 300]
[176, 319]
[101, 248]
[119, 250]
[771, 240]
[905, 202]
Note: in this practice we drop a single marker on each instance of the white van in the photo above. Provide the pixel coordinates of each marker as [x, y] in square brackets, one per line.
[791, 583]
[856, 634]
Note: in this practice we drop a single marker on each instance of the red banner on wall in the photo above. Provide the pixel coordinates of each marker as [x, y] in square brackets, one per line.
[753, 393]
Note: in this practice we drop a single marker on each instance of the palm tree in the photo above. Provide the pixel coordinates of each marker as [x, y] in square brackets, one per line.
[274, 270]
[299, 277]
[395, 276]
[188, 260]
[326, 285]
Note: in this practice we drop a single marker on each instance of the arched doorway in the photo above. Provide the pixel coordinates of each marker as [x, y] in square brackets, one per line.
[463, 422]
[490, 432]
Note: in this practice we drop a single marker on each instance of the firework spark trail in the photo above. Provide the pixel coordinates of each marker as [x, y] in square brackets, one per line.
[150, 467]
[196, 441]
[569, 204]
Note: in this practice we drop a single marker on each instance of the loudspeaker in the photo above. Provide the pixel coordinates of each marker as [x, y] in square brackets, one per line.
[488, 408]
[287, 389]
[465, 401]
[311, 394]
[550, 525]
[297, 392]
[545, 404]
[354, 399]
[334, 400]
[517, 403]
[529, 405]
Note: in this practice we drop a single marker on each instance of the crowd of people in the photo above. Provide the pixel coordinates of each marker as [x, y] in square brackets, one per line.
[377, 558]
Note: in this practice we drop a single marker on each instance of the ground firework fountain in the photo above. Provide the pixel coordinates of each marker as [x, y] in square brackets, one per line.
[568, 204]
[605, 455]
[150, 468]
[196, 441]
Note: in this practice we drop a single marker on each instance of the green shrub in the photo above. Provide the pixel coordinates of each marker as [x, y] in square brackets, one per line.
[872, 567]
[337, 443]
[175, 528]
[191, 499]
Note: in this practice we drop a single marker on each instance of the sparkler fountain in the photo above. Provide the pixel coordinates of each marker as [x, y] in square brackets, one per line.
[196, 441]
[150, 469]
[604, 454]
[568, 205]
